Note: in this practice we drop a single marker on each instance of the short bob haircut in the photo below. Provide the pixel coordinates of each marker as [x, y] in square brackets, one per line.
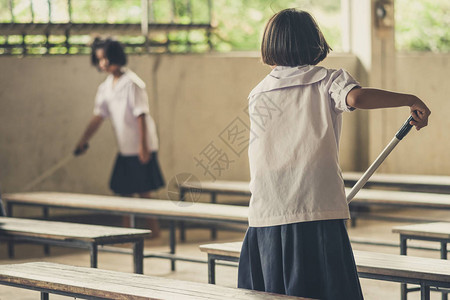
[293, 38]
[114, 52]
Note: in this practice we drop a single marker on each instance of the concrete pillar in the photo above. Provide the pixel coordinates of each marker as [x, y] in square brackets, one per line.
[372, 40]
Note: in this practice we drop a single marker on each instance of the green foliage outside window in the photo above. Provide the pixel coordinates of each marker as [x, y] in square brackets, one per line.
[241, 23]
[422, 25]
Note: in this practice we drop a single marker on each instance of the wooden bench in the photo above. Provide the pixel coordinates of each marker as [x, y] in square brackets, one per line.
[435, 232]
[199, 212]
[400, 199]
[418, 183]
[364, 198]
[102, 284]
[73, 235]
[426, 272]
[165, 209]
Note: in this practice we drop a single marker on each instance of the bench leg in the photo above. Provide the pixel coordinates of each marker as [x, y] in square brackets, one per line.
[403, 249]
[211, 270]
[182, 231]
[213, 229]
[132, 221]
[444, 256]
[403, 291]
[9, 209]
[9, 213]
[44, 296]
[424, 292]
[181, 224]
[172, 243]
[138, 254]
[10, 249]
[46, 215]
[94, 255]
[443, 250]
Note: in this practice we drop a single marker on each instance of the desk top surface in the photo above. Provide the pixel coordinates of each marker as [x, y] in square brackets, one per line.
[369, 262]
[117, 285]
[65, 230]
[418, 199]
[139, 206]
[402, 179]
[439, 230]
[242, 187]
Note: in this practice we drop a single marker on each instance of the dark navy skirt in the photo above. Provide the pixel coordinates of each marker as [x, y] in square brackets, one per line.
[130, 176]
[307, 259]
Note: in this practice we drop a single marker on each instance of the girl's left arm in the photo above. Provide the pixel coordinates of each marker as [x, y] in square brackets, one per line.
[144, 152]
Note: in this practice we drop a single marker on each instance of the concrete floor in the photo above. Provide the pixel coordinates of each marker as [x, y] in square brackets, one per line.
[225, 275]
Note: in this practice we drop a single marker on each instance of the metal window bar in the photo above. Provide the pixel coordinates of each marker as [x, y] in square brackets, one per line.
[32, 11]
[69, 8]
[11, 10]
[49, 2]
[147, 28]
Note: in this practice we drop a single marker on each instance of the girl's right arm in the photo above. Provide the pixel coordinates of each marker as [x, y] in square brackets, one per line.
[92, 127]
[366, 98]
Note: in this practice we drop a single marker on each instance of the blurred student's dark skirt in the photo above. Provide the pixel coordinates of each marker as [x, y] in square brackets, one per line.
[131, 176]
[308, 259]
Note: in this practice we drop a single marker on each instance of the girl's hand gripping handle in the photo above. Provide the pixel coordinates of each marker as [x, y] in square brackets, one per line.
[404, 129]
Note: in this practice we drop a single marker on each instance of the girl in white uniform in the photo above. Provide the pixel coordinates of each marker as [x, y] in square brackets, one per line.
[122, 98]
[297, 243]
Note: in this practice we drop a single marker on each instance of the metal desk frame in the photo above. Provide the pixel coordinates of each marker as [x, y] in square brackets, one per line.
[403, 251]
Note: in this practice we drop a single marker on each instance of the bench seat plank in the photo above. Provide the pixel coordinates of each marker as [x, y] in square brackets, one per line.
[415, 268]
[395, 180]
[104, 284]
[402, 180]
[410, 199]
[72, 235]
[439, 230]
[162, 208]
[364, 196]
[223, 249]
[204, 210]
[66, 231]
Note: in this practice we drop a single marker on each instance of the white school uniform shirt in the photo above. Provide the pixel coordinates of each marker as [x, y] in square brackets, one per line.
[123, 103]
[296, 119]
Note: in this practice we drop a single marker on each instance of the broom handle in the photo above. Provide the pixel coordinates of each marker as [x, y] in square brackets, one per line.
[397, 138]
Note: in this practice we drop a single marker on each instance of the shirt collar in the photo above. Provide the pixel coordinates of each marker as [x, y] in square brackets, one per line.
[122, 80]
[282, 77]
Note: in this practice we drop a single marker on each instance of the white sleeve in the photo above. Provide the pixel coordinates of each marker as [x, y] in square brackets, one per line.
[100, 106]
[341, 84]
[139, 101]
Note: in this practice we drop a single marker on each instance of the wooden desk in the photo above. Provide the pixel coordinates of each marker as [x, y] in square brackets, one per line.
[424, 183]
[426, 272]
[73, 235]
[89, 283]
[165, 209]
[365, 197]
[418, 183]
[436, 232]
